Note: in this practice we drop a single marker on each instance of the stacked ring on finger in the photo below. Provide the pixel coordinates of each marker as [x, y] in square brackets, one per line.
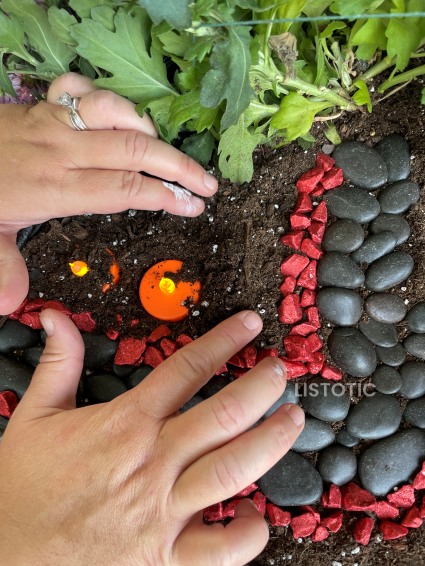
[77, 122]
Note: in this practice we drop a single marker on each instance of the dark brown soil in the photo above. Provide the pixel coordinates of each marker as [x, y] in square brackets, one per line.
[235, 252]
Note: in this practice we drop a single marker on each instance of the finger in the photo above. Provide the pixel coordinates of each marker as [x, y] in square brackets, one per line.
[227, 414]
[100, 109]
[234, 545]
[55, 381]
[14, 280]
[176, 380]
[220, 474]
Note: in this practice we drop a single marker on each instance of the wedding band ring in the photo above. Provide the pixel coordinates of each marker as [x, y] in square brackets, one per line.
[71, 103]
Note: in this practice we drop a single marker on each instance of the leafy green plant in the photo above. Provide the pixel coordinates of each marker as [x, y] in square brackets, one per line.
[220, 77]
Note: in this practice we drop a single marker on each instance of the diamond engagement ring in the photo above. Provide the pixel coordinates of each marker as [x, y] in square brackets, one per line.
[77, 122]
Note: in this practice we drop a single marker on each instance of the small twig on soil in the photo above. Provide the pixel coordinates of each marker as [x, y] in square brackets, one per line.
[393, 92]
[326, 118]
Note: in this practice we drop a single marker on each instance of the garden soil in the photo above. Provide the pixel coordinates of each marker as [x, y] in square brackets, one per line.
[234, 250]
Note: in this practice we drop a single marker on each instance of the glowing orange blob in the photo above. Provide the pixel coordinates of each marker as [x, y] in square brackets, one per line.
[162, 296]
[114, 270]
[79, 268]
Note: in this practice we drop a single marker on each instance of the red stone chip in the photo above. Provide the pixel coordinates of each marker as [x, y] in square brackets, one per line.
[84, 321]
[318, 191]
[160, 332]
[129, 352]
[230, 508]
[294, 265]
[320, 534]
[385, 510]
[419, 481]
[298, 349]
[293, 369]
[278, 517]
[260, 502]
[183, 340]
[236, 360]
[320, 214]
[317, 231]
[309, 180]
[391, 531]
[333, 499]
[247, 490]
[363, 530]
[308, 277]
[354, 498]
[333, 522]
[214, 512]
[249, 356]
[56, 305]
[34, 305]
[8, 403]
[288, 286]
[293, 239]
[303, 329]
[422, 509]
[16, 314]
[299, 221]
[332, 179]
[404, 497]
[331, 372]
[326, 162]
[267, 353]
[310, 249]
[303, 525]
[153, 357]
[316, 365]
[289, 310]
[308, 298]
[413, 518]
[112, 333]
[315, 342]
[303, 204]
[168, 347]
[31, 319]
[310, 509]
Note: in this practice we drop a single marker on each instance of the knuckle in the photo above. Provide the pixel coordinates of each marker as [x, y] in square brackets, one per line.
[136, 145]
[104, 100]
[132, 185]
[228, 411]
[228, 473]
[283, 440]
[192, 363]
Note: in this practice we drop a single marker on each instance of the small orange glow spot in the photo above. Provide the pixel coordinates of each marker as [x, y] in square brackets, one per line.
[114, 270]
[164, 297]
[79, 268]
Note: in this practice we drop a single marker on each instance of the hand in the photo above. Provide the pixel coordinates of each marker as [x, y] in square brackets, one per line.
[50, 170]
[124, 482]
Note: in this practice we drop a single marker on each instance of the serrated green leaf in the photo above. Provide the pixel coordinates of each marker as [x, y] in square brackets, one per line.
[229, 77]
[332, 134]
[315, 8]
[423, 96]
[200, 147]
[175, 12]
[306, 141]
[188, 107]
[174, 43]
[12, 39]
[362, 96]
[200, 47]
[369, 37]
[159, 111]
[296, 115]
[355, 7]
[55, 53]
[84, 7]
[60, 21]
[330, 28]
[403, 39]
[6, 86]
[104, 15]
[136, 74]
[235, 151]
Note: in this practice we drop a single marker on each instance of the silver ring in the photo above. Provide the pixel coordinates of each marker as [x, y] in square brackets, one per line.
[77, 122]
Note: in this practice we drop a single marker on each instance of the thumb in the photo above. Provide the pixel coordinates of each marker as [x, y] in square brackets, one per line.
[55, 381]
[13, 275]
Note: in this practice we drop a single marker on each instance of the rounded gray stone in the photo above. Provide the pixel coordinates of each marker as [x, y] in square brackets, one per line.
[14, 376]
[122, 371]
[416, 318]
[17, 336]
[325, 400]
[103, 388]
[352, 352]
[394, 356]
[3, 424]
[413, 376]
[292, 470]
[288, 396]
[335, 269]
[353, 204]
[397, 198]
[214, 385]
[375, 247]
[387, 380]
[392, 461]
[195, 400]
[99, 350]
[414, 344]
[386, 307]
[389, 271]
[343, 236]
[315, 436]
[374, 417]
[394, 150]
[340, 306]
[379, 333]
[392, 223]
[414, 413]
[32, 355]
[346, 439]
[363, 165]
[337, 464]
[138, 376]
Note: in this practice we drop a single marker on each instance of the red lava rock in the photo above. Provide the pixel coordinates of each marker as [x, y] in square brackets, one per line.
[404, 497]
[56, 305]
[419, 481]
[168, 347]
[31, 319]
[317, 231]
[303, 329]
[214, 512]
[84, 321]
[354, 498]
[118, 318]
[316, 365]
[318, 192]
[293, 239]
[112, 333]
[266, 353]
[259, 500]
[312, 250]
[303, 525]
[310, 509]
[8, 403]
[16, 314]
[333, 499]
[153, 357]
[308, 278]
[309, 180]
[297, 349]
[326, 162]
[313, 315]
[134, 322]
[294, 265]
[308, 298]
[320, 214]
[412, 518]
[288, 286]
[422, 509]
[247, 490]
[129, 352]
[249, 356]
[299, 221]
[315, 342]
[332, 179]
[321, 533]
[230, 508]
[223, 369]
[34, 305]
[303, 204]
[391, 531]
[331, 372]
[160, 332]
[333, 522]
[289, 310]
[363, 529]
[278, 517]
[385, 510]
[293, 369]
[183, 340]
[236, 360]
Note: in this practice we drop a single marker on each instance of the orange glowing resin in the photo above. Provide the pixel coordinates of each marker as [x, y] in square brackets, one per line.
[163, 296]
[79, 268]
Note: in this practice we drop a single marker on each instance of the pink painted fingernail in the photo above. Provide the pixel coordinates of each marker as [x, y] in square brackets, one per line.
[295, 413]
[210, 182]
[251, 321]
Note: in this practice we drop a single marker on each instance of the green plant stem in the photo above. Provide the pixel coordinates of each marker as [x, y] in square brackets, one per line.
[320, 92]
[383, 65]
[402, 77]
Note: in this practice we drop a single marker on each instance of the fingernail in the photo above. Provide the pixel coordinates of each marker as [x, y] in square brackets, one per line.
[48, 324]
[252, 321]
[279, 368]
[295, 413]
[210, 182]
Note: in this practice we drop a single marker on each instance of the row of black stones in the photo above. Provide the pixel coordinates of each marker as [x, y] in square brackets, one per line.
[359, 252]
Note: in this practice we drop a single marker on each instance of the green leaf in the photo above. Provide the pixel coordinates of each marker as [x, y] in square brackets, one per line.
[55, 53]
[306, 141]
[174, 43]
[355, 7]
[423, 96]
[6, 86]
[60, 21]
[12, 39]
[362, 96]
[135, 73]
[84, 7]
[369, 37]
[200, 147]
[330, 28]
[175, 12]
[332, 134]
[235, 151]
[296, 115]
[403, 39]
[159, 111]
[104, 15]
[229, 78]
[187, 107]
[315, 8]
